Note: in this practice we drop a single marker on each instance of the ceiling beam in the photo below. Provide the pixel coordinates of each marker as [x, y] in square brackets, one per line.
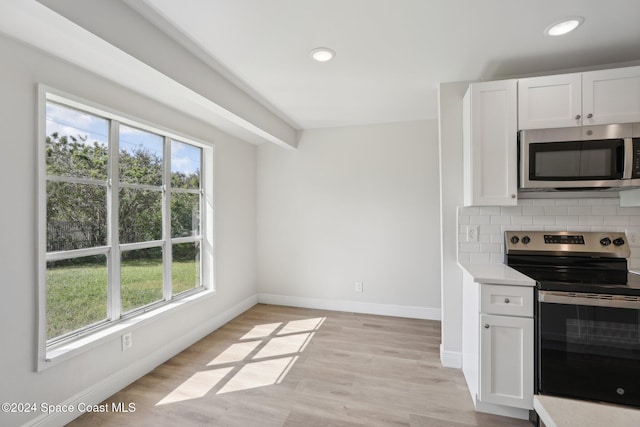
[111, 40]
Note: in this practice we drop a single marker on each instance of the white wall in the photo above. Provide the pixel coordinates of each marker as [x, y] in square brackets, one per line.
[352, 204]
[451, 189]
[106, 366]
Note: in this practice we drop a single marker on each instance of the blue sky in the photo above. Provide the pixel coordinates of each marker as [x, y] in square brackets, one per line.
[185, 158]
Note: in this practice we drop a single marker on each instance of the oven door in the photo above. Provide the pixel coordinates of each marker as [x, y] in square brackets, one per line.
[588, 346]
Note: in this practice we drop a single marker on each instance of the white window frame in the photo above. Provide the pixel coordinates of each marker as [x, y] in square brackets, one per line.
[117, 323]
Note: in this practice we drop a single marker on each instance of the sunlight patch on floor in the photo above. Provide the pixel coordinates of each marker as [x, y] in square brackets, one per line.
[235, 353]
[197, 386]
[284, 345]
[261, 331]
[263, 357]
[259, 374]
[296, 326]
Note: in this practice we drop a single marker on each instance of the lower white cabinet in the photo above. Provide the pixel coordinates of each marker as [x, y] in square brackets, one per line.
[506, 361]
[497, 346]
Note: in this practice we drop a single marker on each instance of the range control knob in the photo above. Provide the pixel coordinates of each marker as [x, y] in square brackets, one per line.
[619, 241]
[514, 239]
[526, 239]
[605, 241]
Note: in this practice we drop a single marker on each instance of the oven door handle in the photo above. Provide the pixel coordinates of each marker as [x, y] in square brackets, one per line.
[595, 300]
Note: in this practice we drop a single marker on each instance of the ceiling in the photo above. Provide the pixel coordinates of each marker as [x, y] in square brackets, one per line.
[391, 54]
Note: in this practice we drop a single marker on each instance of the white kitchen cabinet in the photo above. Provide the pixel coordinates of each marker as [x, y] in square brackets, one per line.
[550, 101]
[506, 360]
[490, 144]
[498, 346]
[590, 98]
[611, 96]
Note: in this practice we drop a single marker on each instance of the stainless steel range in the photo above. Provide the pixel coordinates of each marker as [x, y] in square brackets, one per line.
[587, 313]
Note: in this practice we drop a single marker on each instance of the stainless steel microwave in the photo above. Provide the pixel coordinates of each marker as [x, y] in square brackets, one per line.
[603, 157]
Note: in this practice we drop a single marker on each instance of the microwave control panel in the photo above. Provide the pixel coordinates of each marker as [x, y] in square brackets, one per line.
[635, 172]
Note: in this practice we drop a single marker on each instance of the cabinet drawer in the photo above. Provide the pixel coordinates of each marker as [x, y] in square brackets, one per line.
[507, 300]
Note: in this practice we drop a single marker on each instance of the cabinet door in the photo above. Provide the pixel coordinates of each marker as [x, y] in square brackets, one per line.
[490, 144]
[506, 360]
[550, 101]
[611, 96]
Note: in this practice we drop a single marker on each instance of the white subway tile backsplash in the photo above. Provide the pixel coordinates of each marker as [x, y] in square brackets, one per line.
[556, 210]
[524, 219]
[628, 211]
[591, 220]
[480, 219]
[617, 220]
[603, 214]
[579, 210]
[533, 210]
[511, 210]
[501, 219]
[604, 210]
[544, 202]
[479, 258]
[567, 220]
[544, 220]
[590, 202]
[490, 228]
[491, 248]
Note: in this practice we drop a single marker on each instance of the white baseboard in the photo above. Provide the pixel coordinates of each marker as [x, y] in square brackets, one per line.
[116, 382]
[450, 359]
[352, 306]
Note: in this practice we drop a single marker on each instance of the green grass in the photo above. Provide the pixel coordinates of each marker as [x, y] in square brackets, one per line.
[77, 295]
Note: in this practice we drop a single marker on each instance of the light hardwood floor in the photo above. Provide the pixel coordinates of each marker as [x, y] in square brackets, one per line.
[284, 366]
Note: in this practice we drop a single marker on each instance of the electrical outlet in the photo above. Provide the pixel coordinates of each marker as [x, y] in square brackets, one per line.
[359, 287]
[472, 233]
[127, 341]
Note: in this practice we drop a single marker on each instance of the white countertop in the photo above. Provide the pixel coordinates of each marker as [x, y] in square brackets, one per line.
[498, 274]
[560, 412]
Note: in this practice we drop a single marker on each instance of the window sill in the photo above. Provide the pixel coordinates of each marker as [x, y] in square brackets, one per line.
[67, 350]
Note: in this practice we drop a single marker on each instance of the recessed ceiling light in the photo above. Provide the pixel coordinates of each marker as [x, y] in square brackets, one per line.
[565, 26]
[322, 54]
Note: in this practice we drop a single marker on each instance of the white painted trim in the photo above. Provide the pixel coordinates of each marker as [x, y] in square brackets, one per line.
[450, 359]
[352, 306]
[505, 411]
[116, 382]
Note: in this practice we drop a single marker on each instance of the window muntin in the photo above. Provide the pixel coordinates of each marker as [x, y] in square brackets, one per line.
[108, 197]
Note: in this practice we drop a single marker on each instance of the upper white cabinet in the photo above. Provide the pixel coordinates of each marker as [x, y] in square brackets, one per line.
[611, 96]
[590, 98]
[490, 144]
[550, 101]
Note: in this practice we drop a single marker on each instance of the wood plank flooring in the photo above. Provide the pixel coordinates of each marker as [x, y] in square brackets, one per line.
[284, 366]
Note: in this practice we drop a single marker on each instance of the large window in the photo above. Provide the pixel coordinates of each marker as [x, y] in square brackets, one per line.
[127, 215]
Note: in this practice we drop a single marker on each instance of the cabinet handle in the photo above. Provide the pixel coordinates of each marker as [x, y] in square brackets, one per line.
[513, 196]
[507, 300]
[589, 115]
[486, 326]
[578, 117]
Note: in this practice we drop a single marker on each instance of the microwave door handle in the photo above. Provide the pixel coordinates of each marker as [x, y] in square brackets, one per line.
[628, 158]
[568, 298]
